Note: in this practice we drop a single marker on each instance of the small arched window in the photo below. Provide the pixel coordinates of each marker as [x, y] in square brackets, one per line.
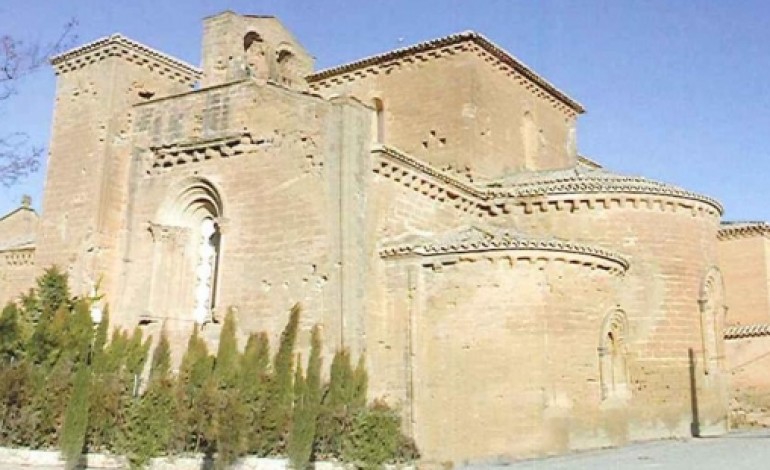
[613, 369]
[250, 38]
[286, 65]
[712, 308]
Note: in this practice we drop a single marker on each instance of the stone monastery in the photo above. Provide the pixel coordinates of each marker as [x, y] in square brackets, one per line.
[428, 207]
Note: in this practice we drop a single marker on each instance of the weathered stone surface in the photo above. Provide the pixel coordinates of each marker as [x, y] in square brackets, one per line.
[426, 206]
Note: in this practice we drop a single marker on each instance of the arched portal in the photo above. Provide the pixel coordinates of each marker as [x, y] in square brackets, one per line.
[187, 248]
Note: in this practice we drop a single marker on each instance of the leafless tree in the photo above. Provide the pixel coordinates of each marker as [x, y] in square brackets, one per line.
[19, 157]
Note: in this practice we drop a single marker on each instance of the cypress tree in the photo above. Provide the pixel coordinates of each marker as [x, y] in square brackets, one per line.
[280, 395]
[53, 290]
[148, 430]
[160, 366]
[73, 432]
[254, 382]
[339, 401]
[307, 404]
[231, 437]
[51, 393]
[11, 334]
[16, 395]
[299, 430]
[341, 387]
[314, 366]
[46, 344]
[77, 334]
[226, 366]
[197, 397]
[136, 352]
[99, 352]
[360, 383]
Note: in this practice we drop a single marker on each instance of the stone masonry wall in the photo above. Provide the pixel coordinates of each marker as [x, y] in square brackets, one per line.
[469, 117]
[17, 273]
[671, 251]
[745, 263]
[502, 349]
[87, 179]
[281, 194]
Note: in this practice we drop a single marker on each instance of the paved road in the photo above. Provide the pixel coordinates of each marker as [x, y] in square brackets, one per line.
[738, 451]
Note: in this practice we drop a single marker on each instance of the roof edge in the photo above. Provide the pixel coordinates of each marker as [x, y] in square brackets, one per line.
[119, 39]
[738, 229]
[451, 39]
[489, 242]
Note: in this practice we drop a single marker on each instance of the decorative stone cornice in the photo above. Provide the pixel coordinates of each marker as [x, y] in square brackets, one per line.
[747, 331]
[601, 182]
[572, 189]
[17, 257]
[175, 154]
[132, 51]
[733, 230]
[441, 47]
[475, 241]
[428, 180]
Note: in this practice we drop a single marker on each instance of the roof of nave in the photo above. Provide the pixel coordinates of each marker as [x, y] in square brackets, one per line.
[18, 245]
[471, 239]
[443, 42]
[22, 208]
[741, 229]
[120, 45]
[585, 178]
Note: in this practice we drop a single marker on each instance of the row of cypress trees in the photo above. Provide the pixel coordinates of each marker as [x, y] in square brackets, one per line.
[65, 385]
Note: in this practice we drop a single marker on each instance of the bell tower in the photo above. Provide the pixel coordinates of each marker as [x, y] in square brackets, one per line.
[237, 47]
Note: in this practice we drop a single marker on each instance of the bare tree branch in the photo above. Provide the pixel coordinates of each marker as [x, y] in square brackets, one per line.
[18, 157]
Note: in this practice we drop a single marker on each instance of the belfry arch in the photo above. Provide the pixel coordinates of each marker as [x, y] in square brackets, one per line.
[187, 245]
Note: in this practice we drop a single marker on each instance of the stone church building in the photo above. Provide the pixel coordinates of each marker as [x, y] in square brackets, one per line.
[426, 206]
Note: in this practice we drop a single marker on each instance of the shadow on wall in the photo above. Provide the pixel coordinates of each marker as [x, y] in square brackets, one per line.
[695, 425]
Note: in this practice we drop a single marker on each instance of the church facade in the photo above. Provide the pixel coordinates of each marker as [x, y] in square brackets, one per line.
[426, 206]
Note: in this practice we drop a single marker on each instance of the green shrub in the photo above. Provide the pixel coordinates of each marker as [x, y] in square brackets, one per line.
[307, 404]
[75, 425]
[374, 437]
[11, 335]
[64, 384]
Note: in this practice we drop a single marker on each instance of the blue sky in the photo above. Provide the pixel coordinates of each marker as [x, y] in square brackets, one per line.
[675, 90]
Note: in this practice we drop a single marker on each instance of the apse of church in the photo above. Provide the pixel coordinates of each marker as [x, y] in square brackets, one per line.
[426, 206]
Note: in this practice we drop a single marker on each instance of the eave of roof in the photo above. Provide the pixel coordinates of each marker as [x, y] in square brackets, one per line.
[477, 38]
[742, 229]
[474, 239]
[747, 331]
[119, 39]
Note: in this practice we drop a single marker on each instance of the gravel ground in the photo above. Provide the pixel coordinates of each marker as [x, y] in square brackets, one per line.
[737, 451]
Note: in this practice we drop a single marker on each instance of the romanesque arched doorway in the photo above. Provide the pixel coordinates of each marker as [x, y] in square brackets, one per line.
[187, 245]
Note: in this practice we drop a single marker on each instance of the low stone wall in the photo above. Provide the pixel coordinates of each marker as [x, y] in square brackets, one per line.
[27, 458]
[748, 359]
